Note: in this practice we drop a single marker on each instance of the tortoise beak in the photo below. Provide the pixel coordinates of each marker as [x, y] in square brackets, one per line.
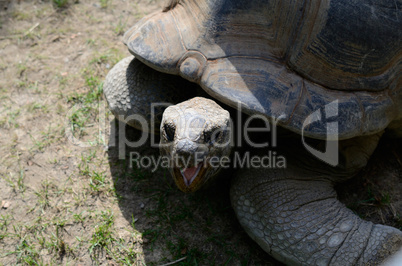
[190, 179]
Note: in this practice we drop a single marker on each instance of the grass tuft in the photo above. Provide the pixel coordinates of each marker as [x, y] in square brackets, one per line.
[60, 3]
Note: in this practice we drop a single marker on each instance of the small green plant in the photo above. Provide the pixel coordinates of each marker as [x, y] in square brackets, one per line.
[111, 57]
[87, 104]
[91, 42]
[20, 15]
[56, 243]
[104, 3]
[37, 106]
[44, 194]
[34, 87]
[47, 137]
[120, 27]
[26, 253]
[86, 159]
[97, 182]
[22, 67]
[102, 237]
[60, 3]
[80, 199]
[10, 120]
[18, 185]
[63, 81]
[377, 198]
[79, 217]
[4, 222]
[20, 181]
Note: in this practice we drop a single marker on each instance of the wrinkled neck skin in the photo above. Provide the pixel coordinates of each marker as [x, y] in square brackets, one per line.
[353, 155]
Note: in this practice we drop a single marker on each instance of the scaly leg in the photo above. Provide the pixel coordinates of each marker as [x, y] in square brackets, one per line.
[295, 216]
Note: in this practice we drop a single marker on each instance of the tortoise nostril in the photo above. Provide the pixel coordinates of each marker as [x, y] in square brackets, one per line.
[190, 152]
[185, 147]
[202, 149]
[183, 152]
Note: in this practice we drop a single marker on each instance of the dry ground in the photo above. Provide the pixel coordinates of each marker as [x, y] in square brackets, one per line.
[79, 204]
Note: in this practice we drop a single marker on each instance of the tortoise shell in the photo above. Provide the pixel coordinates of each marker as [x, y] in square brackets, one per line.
[300, 63]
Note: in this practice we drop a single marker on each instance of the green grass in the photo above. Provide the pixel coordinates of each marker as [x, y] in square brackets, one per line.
[21, 15]
[26, 252]
[85, 114]
[5, 221]
[102, 236]
[121, 27]
[91, 42]
[98, 182]
[104, 3]
[10, 119]
[60, 3]
[32, 238]
[66, 194]
[376, 198]
[56, 243]
[34, 87]
[37, 106]
[86, 160]
[21, 67]
[43, 194]
[112, 56]
[47, 138]
[16, 181]
[79, 217]
[103, 239]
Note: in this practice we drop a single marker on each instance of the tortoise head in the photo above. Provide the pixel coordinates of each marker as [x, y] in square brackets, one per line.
[195, 139]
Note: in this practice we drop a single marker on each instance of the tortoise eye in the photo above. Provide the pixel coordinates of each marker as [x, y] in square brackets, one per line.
[207, 137]
[216, 135]
[169, 130]
[211, 137]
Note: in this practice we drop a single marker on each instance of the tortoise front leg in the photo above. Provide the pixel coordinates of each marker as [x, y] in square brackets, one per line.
[302, 222]
[137, 93]
[295, 216]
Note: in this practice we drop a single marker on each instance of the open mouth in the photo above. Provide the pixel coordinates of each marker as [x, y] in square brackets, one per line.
[189, 174]
[190, 179]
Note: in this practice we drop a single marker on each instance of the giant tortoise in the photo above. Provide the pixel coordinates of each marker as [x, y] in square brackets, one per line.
[328, 71]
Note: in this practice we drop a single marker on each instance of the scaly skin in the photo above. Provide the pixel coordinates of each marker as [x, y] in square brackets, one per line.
[291, 213]
[131, 87]
[294, 214]
[300, 222]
